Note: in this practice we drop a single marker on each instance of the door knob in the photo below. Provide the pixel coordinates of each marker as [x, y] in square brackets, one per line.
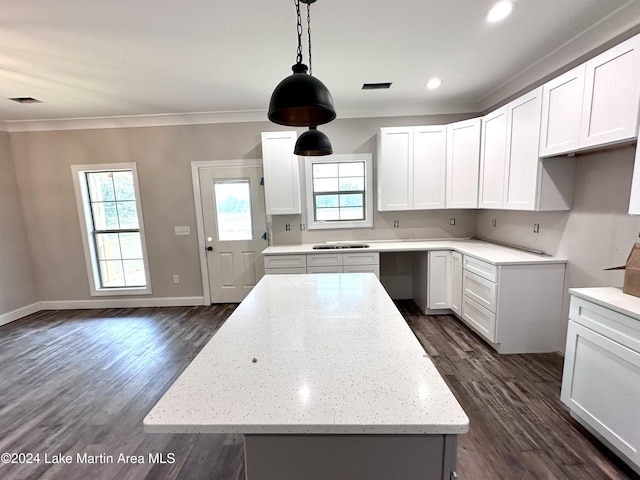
[209, 248]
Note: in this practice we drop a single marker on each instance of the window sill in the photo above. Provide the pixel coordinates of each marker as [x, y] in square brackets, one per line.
[110, 292]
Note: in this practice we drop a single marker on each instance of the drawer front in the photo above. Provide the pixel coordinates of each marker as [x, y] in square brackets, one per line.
[325, 269]
[621, 328]
[479, 318]
[285, 261]
[484, 269]
[479, 289]
[362, 269]
[361, 258]
[284, 271]
[324, 260]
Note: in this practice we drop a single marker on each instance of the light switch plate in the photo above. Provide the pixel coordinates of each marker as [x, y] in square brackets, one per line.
[182, 230]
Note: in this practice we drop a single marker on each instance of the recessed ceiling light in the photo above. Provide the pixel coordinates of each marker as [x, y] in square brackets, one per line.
[434, 83]
[500, 11]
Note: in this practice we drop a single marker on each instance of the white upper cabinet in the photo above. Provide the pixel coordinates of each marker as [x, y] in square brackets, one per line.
[463, 162]
[411, 168]
[281, 169]
[594, 104]
[561, 113]
[523, 127]
[493, 157]
[611, 95]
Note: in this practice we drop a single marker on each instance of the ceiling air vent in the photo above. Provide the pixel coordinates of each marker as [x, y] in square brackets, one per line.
[376, 86]
[25, 100]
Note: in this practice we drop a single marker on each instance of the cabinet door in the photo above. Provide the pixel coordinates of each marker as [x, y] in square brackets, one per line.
[429, 166]
[395, 168]
[463, 162]
[456, 283]
[612, 95]
[601, 384]
[561, 113]
[493, 153]
[281, 173]
[439, 280]
[522, 146]
[634, 199]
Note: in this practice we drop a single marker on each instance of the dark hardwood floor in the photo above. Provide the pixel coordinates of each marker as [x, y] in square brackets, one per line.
[80, 383]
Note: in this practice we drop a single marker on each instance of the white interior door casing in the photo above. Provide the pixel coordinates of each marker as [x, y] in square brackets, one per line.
[234, 259]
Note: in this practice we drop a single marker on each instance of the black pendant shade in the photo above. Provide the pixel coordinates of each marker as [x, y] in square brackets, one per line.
[313, 143]
[301, 100]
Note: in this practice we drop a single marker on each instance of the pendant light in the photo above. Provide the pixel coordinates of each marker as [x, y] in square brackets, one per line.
[301, 100]
[313, 143]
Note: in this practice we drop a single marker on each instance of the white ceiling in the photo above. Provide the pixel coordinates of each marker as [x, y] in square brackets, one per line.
[97, 58]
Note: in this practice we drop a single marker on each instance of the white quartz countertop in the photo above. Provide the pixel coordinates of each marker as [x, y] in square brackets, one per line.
[332, 356]
[612, 298]
[492, 253]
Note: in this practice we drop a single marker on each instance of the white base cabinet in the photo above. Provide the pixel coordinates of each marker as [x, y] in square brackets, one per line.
[332, 262]
[439, 280]
[601, 379]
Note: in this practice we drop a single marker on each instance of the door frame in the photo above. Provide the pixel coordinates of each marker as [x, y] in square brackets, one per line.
[197, 200]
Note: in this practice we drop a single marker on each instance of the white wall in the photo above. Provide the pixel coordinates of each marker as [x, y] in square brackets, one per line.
[596, 234]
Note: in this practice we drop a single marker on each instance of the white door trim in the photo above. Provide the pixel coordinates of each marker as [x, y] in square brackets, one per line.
[197, 200]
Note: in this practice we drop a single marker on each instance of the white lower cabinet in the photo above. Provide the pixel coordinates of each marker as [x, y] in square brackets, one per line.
[332, 262]
[456, 283]
[516, 308]
[601, 379]
[439, 280]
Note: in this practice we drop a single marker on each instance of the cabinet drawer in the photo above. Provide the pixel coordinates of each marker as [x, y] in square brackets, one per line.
[484, 269]
[361, 258]
[325, 269]
[479, 318]
[362, 269]
[324, 260]
[479, 289]
[285, 271]
[285, 261]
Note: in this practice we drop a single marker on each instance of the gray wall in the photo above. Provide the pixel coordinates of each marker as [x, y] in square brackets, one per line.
[596, 234]
[17, 285]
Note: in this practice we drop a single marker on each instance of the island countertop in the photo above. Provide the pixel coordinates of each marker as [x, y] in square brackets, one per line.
[490, 252]
[311, 354]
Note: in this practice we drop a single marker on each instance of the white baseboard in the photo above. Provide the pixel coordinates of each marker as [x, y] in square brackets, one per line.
[122, 303]
[102, 303]
[19, 313]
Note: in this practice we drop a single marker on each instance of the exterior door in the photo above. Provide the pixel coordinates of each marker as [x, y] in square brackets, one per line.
[235, 227]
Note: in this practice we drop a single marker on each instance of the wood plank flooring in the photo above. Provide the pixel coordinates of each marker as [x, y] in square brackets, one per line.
[80, 382]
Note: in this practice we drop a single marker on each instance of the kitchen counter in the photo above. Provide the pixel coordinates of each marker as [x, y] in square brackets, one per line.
[611, 298]
[319, 372]
[492, 253]
[333, 355]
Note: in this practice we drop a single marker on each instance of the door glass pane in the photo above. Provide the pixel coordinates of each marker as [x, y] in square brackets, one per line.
[233, 210]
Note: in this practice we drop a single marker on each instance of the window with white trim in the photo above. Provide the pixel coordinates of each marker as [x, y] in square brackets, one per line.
[112, 228]
[339, 191]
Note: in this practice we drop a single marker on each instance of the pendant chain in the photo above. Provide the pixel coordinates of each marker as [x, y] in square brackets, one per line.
[309, 34]
[299, 55]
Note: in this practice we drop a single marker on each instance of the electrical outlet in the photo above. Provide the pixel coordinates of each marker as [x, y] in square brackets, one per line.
[176, 279]
[536, 228]
[396, 224]
[452, 221]
[287, 227]
[493, 222]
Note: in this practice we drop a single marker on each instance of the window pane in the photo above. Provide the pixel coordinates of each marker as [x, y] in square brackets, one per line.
[355, 169]
[108, 246]
[326, 214]
[123, 185]
[325, 185]
[100, 186]
[111, 274]
[233, 210]
[325, 170]
[351, 200]
[351, 184]
[127, 214]
[105, 216]
[352, 213]
[130, 245]
[133, 273]
[325, 201]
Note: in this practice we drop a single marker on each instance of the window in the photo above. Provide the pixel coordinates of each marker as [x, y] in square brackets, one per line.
[112, 228]
[233, 210]
[339, 191]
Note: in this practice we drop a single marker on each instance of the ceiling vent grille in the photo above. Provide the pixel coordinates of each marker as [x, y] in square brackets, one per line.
[376, 86]
[25, 100]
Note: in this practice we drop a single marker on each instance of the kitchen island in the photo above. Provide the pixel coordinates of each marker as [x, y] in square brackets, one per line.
[324, 378]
